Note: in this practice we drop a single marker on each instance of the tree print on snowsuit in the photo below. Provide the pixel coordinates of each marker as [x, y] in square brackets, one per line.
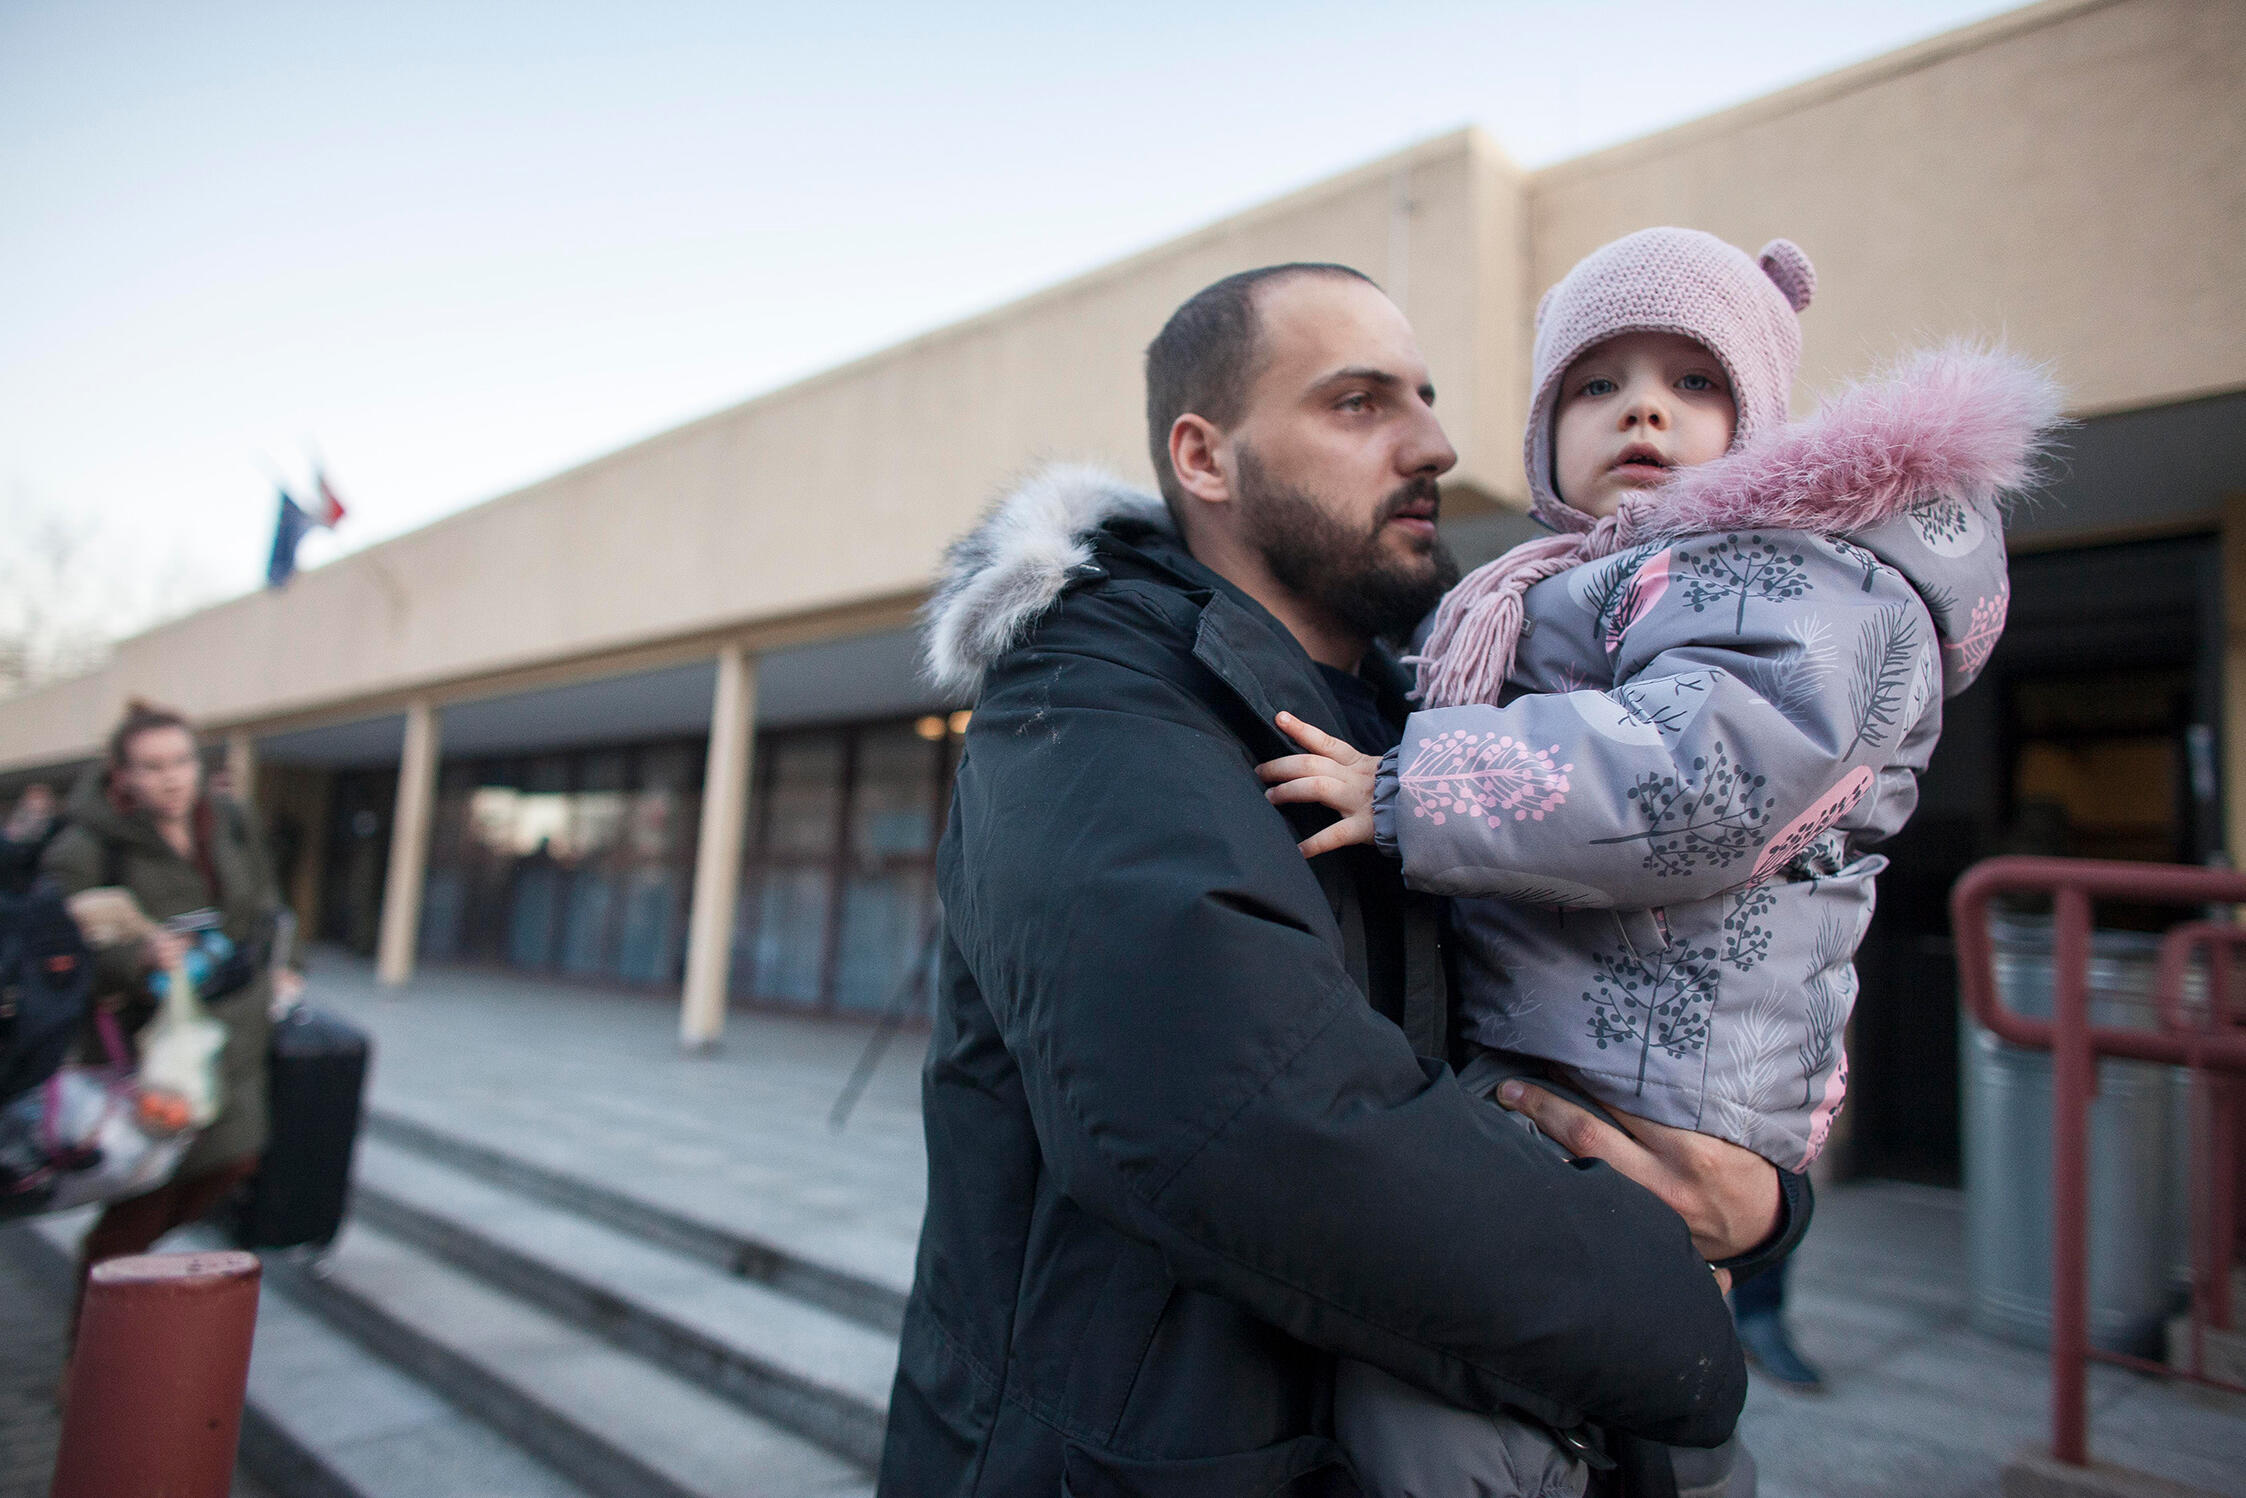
[1660, 1000]
[1746, 940]
[1711, 814]
[1610, 588]
[1814, 822]
[1969, 652]
[1743, 567]
[1887, 653]
[1942, 522]
[1486, 775]
[1643, 588]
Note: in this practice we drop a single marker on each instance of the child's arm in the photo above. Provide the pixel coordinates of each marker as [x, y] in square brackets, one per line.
[1738, 730]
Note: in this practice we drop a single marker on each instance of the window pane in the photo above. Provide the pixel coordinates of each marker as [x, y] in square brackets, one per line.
[893, 816]
[791, 934]
[805, 796]
[656, 854]
[881, 921]
[535, 907]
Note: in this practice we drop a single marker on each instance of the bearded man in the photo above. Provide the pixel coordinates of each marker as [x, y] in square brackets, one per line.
[1190, 1133]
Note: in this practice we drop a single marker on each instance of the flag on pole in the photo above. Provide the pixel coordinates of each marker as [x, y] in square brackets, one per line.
[330, 509]
[294, 522]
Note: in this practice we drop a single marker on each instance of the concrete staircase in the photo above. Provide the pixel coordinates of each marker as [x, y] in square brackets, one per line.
[488, 1326]
[2223, 1352]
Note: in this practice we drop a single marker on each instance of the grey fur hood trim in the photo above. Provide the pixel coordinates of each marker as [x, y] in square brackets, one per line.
[1001, 576]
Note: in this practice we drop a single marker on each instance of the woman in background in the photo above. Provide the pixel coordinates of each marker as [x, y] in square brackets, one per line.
[141, 820]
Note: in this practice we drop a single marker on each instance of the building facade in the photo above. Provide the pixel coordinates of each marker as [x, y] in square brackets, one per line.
[654, 722]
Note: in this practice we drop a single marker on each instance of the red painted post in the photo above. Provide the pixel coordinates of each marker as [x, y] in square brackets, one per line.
[157, 1381]
[2072, 1079]
[2224, 1016]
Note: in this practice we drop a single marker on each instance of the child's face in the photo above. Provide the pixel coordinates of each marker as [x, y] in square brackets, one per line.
[1631, 409]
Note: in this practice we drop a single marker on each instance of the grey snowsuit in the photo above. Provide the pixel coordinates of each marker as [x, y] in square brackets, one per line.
[1661, 832]
[1658, 833]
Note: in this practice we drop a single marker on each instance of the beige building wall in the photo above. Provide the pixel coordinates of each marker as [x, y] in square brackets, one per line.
[2066, 177]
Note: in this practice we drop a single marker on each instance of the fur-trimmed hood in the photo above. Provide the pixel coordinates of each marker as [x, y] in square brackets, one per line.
[1957, 422]
[1002, 575]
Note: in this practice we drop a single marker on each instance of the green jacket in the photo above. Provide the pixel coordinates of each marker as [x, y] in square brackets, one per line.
[167, 885]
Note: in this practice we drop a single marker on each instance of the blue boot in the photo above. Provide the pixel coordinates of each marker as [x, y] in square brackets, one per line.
[1763, 1334]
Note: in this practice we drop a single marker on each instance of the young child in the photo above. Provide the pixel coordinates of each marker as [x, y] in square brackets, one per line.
[1653, 748]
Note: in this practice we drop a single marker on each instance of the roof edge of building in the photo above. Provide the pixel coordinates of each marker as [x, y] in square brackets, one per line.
[1824, 87]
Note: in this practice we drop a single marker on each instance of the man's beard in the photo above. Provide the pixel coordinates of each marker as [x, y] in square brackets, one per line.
[1349, 575]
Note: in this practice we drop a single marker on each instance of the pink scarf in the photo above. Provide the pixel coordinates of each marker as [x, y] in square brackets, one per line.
[1956, 422]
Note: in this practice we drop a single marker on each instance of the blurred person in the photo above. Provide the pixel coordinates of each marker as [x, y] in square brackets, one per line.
[32, 815]
[142, 820]
[24, 835]
[1758, 1308]
[1654, 751]
[1190, 1134]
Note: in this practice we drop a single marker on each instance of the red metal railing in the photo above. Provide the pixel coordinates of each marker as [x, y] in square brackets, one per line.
[2207, 1039]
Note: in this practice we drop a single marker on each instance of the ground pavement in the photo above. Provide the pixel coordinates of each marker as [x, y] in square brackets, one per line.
[1920, 1403]
[593, 1086]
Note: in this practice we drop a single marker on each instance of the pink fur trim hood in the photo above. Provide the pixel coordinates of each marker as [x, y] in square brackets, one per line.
[1955, 425]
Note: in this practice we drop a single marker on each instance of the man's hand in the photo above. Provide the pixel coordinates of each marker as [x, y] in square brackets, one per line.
[1727, 1195]
[1332, 774]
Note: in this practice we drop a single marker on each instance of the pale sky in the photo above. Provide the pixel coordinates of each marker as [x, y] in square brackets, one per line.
[457, 247]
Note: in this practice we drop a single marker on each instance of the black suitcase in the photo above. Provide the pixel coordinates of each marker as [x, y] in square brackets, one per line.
[315, 1075]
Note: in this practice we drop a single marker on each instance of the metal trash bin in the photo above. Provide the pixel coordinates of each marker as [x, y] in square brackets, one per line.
[2139, 1241]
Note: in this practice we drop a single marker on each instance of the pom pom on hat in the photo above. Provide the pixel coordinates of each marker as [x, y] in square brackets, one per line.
[1783, 261]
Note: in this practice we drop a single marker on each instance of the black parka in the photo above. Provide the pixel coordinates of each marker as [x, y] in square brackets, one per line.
[1176, 1160]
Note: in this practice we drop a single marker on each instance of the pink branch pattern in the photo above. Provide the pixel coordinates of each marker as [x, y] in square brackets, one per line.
[1486, 775]
[1971, 650]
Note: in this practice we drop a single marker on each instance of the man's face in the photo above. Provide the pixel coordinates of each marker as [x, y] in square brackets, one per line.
[1334, 463]
[161, 772]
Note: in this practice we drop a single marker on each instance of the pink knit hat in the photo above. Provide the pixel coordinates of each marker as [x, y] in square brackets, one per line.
[1672, 281]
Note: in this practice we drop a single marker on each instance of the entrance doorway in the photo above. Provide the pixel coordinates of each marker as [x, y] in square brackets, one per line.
[2092, 734]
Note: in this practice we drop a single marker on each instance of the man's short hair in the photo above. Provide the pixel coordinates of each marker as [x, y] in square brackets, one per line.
[1206, 357]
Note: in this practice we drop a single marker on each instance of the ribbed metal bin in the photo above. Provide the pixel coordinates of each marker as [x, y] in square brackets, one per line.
[2138, 1154]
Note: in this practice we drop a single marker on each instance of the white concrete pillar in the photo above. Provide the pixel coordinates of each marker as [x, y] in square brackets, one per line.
[241, 766]
[717, 862]
[409, 847]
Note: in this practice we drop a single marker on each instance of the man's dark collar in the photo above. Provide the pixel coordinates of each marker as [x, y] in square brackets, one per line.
[1163, 551]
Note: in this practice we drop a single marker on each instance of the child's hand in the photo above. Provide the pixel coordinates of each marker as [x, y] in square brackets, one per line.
[1331, 774]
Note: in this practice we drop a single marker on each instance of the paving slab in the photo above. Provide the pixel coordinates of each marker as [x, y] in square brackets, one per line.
[595, 1083]
[1919, 1402]
[818, 1373]
[619, 1424]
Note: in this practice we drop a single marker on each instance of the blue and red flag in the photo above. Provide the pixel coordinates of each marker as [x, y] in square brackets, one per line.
[294, 522]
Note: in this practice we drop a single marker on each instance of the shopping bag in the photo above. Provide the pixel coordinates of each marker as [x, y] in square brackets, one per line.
[179, 1048]
[88, 1134]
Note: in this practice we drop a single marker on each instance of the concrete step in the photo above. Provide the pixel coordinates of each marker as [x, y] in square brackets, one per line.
[839, 1290]
[618, 1425]
[324, 1418]
[801, 1366]
[2222, 1351]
